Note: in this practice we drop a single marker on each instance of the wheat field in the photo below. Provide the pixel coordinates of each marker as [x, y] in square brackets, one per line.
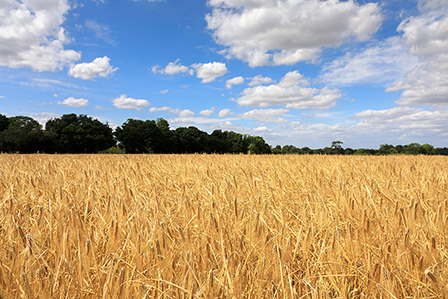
[223, 226]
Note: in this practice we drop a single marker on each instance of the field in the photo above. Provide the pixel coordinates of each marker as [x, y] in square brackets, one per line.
[223, 226]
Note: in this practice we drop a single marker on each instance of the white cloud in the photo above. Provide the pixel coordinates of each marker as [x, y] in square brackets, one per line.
[292, 91]
[100, 67]
[172, 68]
[261, 129]
[260, 80]
[72, 102]
[154, 109]
[209, 72]
[234, 81]
[31, 35]
[272, 32]
[207, 112]
[43, 117]
[180, 112]
[405, 121]
[225, 112]
[426, 36]
[123, 102]
[385, 62]
[264, 114]
[2, 97]
[101, 31]
[185, 113]
[164, 91]
[198, 120]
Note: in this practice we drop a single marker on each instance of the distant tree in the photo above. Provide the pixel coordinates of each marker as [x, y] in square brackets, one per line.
[191, 140]
[337, 147]
[441, 151]
[257, 145]
[400, 149]
[138, 137]
[167, 142]
[413, 149]
[80, 134]
[4, 122]
[23, 135]
[220, 142]
[362, 151]
[349, 151]
[277, 150]
[427, 149]
[306, 150]
[387, 149]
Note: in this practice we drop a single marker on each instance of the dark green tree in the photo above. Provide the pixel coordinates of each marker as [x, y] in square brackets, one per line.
[80, 134]
[22, 135]
[337, 147]
[221, 142]
[4, 122]
[257, 145]
[191, 140]
[427, 149]
[413, 149]
[138, 137]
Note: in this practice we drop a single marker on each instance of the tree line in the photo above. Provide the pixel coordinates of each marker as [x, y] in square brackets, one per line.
[73, 133]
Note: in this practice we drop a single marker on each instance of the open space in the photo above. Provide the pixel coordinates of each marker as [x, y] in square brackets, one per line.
[228, 226]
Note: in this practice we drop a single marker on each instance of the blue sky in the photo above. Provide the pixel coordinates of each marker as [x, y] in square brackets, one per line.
[301, 72]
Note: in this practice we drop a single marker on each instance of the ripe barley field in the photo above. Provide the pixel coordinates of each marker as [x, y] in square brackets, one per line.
[223, 226]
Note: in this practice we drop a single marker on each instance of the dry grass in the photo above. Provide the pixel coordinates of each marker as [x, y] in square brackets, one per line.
[206, 226]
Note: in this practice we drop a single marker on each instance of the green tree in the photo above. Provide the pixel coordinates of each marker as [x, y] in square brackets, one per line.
[427, 149]
[387, 149]
[191, 140]
[257, 145]
[80, 134]
[138, 137]
[23, 135]
[4, 122]
[337, 147]
[413, 149]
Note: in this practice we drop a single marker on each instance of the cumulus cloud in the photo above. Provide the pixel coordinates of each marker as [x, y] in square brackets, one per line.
[385, 62]
[272, 32]
[172, 68]
[72, 102]
[225, 112]
[427, 38]
[31, 35]
[405, 120]
[43, 117]
[207, 112]
[260, 80]
[124, 102]
[185, 121]
[264, 114]
[234, 81]
[185, 113]
[154, 109]
[292, 91]
[209, 72]
[179, 112]
[100, 67]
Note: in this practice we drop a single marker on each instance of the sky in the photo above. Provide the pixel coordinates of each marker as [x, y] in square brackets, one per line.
[299, 72]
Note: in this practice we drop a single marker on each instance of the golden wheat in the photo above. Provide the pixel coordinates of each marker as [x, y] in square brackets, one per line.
[223, 226]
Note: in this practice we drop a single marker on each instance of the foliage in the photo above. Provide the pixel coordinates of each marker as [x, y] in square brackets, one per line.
[79, 134]
[73, 133]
